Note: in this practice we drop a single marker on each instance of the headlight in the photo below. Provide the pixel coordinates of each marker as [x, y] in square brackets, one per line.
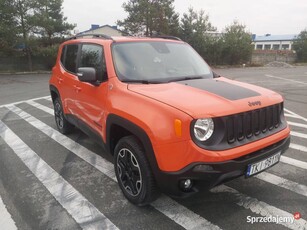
[203, 129]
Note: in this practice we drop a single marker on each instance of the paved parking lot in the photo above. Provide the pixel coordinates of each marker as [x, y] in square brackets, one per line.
[52, 181]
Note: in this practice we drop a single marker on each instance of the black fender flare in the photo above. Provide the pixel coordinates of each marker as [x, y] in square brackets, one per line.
[54, 89]
[137, 131]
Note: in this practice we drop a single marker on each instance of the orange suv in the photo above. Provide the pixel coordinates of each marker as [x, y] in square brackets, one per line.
[170, 122]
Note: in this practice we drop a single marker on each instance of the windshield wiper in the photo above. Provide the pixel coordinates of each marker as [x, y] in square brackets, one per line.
[185, 78]
[142, 81]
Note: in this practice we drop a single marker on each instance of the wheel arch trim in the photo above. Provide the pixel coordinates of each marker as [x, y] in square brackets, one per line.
[135, 130]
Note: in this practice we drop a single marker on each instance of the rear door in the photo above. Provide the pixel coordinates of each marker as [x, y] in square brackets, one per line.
[68, 79]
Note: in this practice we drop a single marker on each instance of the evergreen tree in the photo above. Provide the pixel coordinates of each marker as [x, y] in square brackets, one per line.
[237, 44]
[300, 46]
[49, 21]
[150, 17]
[8, 29]
[195, 29]
[23, 16]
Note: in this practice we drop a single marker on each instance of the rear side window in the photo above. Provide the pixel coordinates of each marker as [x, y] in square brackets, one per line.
[93, 56]
[69, 57]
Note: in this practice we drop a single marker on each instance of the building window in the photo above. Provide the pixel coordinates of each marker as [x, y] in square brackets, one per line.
[275, 47]
[285, 47]
[259, 47]
[267, 47]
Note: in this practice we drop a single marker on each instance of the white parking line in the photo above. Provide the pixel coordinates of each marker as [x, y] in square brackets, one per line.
[83, 212]
[291, 115]
[283, 183]
[297, 124]
[6, 221]
[182, 215]
[261, 208]
[183, 218]
[41, 107]
[286, 79]
[294, 162]
[298, 147]
[296, 115]
[297, 134]
[18, 102]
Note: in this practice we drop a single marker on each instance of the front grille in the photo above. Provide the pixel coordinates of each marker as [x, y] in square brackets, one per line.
[261, 122]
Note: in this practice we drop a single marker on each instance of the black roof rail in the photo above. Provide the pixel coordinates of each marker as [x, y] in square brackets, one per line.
[167, 37]
[104, 36]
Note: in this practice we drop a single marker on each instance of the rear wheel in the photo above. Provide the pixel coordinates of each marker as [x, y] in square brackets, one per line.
[62, 124]
[133, 172]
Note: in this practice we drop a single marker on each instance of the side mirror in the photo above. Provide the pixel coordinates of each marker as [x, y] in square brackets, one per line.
[87, 74]
[215, 75]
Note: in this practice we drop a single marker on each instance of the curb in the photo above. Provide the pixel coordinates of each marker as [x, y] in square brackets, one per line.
[25, 73]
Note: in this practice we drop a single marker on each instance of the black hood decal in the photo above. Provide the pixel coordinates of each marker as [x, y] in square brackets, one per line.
[221, 88]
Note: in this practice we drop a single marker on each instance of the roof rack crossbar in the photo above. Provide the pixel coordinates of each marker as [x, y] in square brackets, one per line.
[167, 37]
[104, 36]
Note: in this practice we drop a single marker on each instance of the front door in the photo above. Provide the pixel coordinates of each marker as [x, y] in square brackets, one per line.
[91, 98]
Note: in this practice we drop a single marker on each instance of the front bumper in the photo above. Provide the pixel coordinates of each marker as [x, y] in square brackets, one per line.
[206, 176]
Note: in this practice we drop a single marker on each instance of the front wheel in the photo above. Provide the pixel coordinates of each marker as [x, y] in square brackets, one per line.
[133, 172]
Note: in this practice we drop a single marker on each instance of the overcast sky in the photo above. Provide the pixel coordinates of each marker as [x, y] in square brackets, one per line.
[259, 16]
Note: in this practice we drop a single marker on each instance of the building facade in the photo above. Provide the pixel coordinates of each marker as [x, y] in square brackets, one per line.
[273, 42]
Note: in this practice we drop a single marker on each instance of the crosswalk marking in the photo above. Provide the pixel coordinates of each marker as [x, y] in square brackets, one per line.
[41, 107]
[294, 162]
[6, 221]
[284, 183]
[296, 115]
[298, 147]
[182, 215]
[165, 204]
[19, 102]
[297, 124]
[183, 218]
[297, 134]
[261, 208]
[286, 79]
[291, 115]
[84, 213]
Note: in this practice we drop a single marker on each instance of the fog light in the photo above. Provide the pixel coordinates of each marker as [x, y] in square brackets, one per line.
[186, 184]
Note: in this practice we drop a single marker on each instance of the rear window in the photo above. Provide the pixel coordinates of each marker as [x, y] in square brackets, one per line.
[69, 57]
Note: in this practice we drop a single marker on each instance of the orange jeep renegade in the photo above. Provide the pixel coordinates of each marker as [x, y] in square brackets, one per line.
[171, 123]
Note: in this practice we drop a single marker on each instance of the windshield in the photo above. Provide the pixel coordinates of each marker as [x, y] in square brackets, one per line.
[158, 62]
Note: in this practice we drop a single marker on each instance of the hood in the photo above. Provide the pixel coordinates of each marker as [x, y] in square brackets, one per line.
[209, 97]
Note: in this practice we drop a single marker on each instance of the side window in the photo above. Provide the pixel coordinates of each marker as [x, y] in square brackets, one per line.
[70, 62]
[63, 55]
[93, 56]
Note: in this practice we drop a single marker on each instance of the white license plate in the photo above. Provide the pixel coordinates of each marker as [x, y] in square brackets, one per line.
[262, 165]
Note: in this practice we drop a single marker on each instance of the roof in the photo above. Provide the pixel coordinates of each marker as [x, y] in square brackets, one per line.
[268, 37]
[89, 37]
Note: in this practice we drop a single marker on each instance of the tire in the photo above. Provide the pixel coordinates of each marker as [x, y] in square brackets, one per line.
[133, 172]
[62, 124]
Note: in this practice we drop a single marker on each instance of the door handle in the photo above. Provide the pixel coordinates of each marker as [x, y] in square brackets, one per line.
[77, 88]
